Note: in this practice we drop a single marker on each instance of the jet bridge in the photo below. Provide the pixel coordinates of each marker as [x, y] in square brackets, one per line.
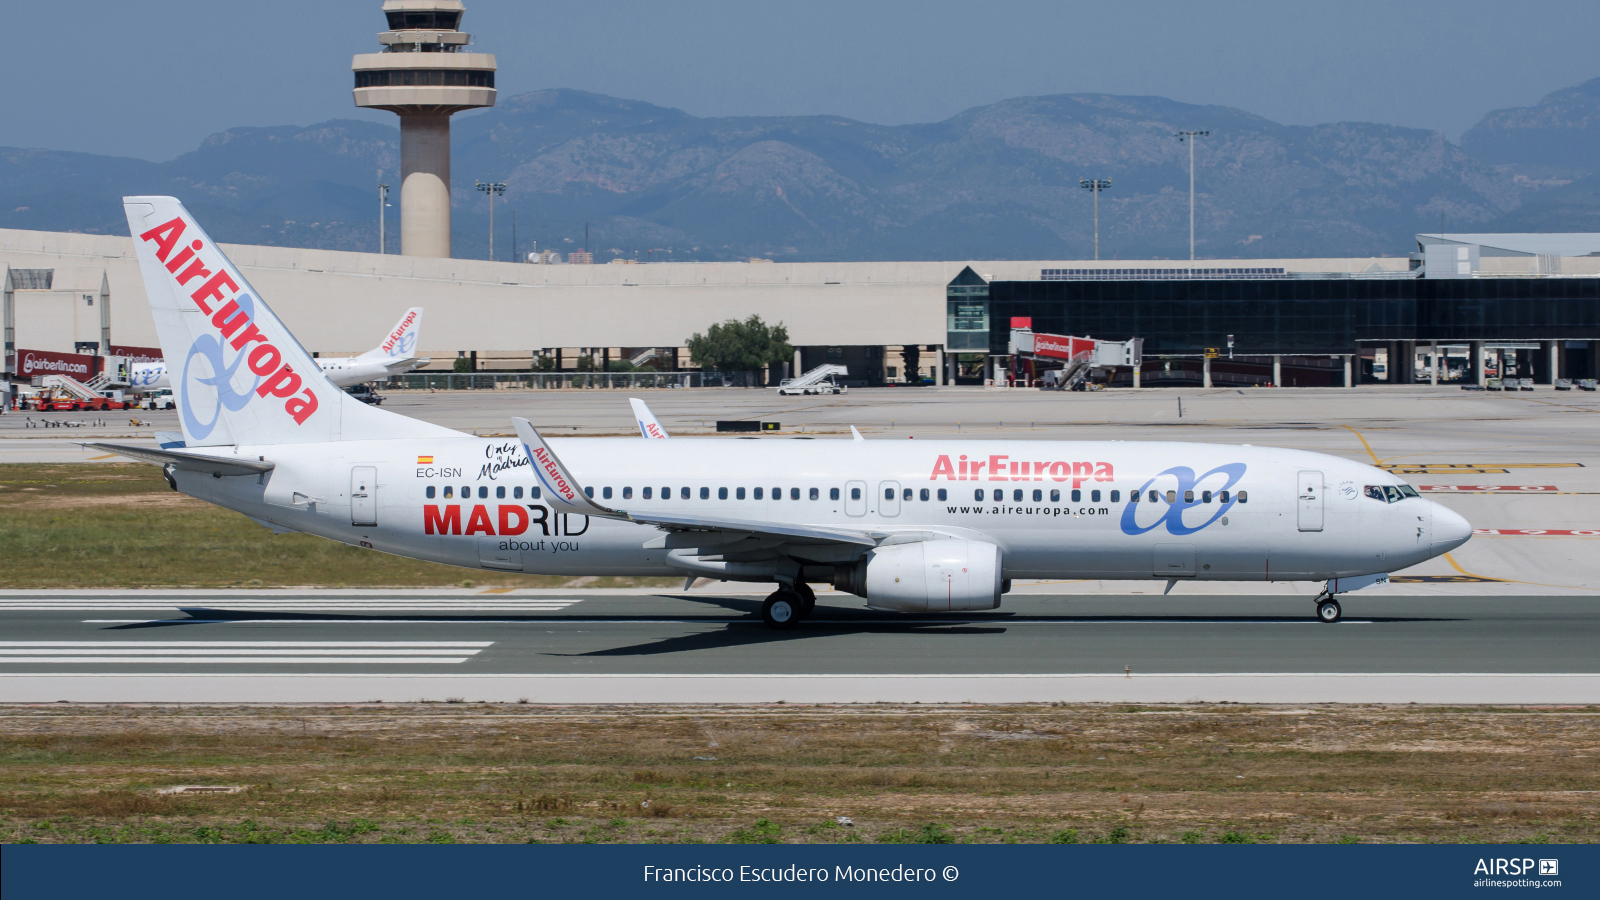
[1063, 362]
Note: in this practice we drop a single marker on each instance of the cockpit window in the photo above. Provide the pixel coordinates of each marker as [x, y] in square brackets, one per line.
[1389, 493]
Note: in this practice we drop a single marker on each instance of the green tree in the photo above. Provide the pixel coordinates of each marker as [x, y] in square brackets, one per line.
[736, 346]
[462, 364]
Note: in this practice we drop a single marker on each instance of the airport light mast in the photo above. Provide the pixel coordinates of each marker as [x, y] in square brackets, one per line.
[1097, 185]
[493, 189]
[1190, 137]
[424, 76]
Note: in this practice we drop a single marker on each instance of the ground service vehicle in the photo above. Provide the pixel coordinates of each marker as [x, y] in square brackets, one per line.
[924, 526]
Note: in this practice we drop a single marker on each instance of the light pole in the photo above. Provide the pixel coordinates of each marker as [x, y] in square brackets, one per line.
[493, 189]
[383, 205]
[1190, 136]
[1097, 185]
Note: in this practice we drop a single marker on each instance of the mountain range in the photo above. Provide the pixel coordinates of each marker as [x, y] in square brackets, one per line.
[994, 182]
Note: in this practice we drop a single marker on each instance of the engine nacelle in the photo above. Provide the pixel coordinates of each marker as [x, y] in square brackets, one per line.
[926, 576]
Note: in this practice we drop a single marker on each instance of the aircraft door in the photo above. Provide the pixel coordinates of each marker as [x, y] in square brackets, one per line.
[889, 498]
[1174, 561]
[855, 498]
[1310, 501]
[364, 495]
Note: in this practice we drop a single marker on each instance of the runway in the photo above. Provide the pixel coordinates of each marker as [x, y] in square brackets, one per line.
[580, 647]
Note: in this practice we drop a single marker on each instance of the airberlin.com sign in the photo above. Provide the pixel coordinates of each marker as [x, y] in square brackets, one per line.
[44, 362]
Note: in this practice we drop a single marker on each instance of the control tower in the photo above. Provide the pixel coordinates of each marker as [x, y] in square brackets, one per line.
[424, 76]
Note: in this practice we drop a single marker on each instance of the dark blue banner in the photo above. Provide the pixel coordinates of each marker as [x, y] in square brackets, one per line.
[67, 872]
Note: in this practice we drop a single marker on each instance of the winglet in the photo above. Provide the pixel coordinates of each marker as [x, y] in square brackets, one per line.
[648, 426]
[561, 490]
[856, 433]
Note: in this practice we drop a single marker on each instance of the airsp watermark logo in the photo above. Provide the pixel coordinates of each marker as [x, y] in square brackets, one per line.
[1549, 867]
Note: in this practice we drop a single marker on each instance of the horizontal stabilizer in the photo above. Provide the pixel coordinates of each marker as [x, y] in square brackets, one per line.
[188, 462]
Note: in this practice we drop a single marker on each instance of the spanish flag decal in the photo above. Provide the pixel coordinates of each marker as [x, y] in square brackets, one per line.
[424, 460]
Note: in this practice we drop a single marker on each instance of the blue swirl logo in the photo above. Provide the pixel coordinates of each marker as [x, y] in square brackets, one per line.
[404, 345]
[1222, 478]
[220, 380]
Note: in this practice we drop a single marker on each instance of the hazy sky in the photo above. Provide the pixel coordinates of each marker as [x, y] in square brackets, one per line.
[152, 78]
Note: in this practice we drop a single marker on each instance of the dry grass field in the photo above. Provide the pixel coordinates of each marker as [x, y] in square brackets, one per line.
[118, 525]
[457, 772]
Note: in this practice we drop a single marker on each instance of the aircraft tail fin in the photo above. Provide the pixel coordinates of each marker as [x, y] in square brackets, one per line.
[401, 342]
[238, 375]
[648, 426]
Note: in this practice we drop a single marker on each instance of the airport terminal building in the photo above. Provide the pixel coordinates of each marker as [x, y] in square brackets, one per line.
[1482, 305]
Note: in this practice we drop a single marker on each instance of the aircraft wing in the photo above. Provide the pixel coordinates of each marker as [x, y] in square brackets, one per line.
[189, 462]
[564, 493]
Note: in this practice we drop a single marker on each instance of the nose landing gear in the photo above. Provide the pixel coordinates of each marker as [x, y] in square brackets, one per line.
[1328, 609]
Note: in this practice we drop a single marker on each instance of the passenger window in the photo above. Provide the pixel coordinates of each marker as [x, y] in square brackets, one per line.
[1205, 496]
[816, 494]
[888, 493]
[1038, 495]
[794, 493]
[1172, 496]
[738, 493]
[683, 493]
[907, 494]
[942, 495]
[516, 493]
[1077, 496]
[500, 492]
[1223, 496]
[976, 495]
[589, 492]
[855, 493]
[1188, 496]
[924, 495]
[448, 492]
[645, 494]
[1116, 496]
[1154, 496]
[705, 494]
[1094, 496]
[627, 493]
[605, 493]
[722, 493]
[1055, 496]
[1016, 496]
[1244, 497]
[833, 493]
[758, 493]
[999, 495]
[483, 492]
[429, 492]
[466, 492]
[534, 492]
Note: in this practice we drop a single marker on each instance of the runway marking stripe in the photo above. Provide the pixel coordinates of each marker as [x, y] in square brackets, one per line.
[242, 654]
[235, 660]
[1486, 488]
[1537, 532]
[295, 645]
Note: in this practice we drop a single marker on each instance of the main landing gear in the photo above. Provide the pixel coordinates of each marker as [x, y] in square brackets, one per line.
[786, 606]
[1328, 609]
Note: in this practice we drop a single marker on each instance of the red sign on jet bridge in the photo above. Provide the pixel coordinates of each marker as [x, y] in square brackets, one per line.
[1487, 488]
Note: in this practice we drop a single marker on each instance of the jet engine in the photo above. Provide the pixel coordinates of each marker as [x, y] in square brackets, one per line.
[926, 576]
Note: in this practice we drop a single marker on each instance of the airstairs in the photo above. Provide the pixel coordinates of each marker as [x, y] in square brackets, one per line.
[817, 381]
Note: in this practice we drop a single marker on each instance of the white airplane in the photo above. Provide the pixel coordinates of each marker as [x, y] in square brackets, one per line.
[916, 526]
[395, 356]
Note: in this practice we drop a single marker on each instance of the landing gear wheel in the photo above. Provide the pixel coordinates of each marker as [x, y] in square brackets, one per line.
[1328, 610]
[808, 599]
[782, 610]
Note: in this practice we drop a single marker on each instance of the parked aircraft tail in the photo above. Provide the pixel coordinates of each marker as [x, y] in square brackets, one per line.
[238, 375]
[401, 343]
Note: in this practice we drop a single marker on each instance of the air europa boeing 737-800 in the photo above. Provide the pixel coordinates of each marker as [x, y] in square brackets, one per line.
[908, 525]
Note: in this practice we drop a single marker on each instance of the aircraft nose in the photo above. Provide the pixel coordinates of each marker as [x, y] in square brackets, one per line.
[1450, 530]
